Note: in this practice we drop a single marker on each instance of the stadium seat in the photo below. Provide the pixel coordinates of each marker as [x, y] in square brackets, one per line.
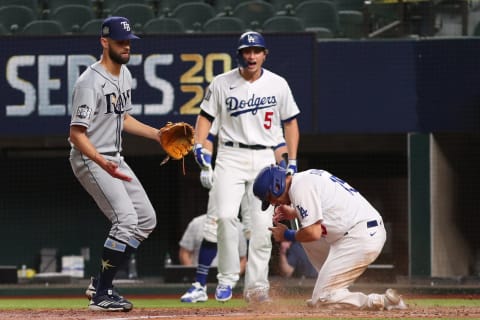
[108, 6]
[3, 30]
[476, 30]
[285, 7]
[52, 5]
[351, 24]
[322, 33]
[318, 14]
[166, 7]
[72, 16]
[283, 24]
[92, 27]
[254, 13]
[193, 15]
[43, 28]
[163, 25]
[224, 24]
[138, 14]
[14, 17]
[226, 7]
[356, 5]
[32, 4]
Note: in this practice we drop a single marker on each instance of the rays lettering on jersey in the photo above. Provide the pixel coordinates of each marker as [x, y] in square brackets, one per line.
[117, 104]
[237, 107]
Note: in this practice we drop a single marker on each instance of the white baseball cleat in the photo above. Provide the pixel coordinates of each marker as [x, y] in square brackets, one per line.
[196, 293]
[393, 301]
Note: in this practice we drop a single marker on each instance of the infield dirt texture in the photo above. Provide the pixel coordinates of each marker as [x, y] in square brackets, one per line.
[279, 309]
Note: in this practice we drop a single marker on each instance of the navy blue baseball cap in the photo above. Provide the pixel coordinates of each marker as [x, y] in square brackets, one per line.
[270, 180]
[117, 28]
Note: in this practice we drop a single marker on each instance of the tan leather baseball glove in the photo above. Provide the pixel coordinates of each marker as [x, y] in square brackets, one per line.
[177, 140]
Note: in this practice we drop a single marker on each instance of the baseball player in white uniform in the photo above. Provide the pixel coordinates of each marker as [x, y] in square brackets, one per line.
[189, 244]
[207, 253]
[251, 104]
[329, 208]
[101, 105]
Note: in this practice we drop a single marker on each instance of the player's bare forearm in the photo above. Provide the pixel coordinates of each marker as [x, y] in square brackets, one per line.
[185, 257]
[310, 233]
[81, 142]
[202, 127]
[135, 127]
[307, 234]
[292, 137]
[284, 212]
[286, 270]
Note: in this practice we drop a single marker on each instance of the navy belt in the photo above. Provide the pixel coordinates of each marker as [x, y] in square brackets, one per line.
[372, 223]
[246, 146]
[112, 154]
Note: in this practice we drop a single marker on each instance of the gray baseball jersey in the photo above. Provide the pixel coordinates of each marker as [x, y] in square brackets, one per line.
[99, 102]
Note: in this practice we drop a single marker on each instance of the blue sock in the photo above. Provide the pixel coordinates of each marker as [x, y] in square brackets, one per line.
[208, 251]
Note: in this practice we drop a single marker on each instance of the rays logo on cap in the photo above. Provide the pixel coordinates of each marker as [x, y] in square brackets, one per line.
[117, 28]
[125, 25]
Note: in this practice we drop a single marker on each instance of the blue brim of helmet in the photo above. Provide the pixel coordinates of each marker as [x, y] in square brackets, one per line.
[265, 205]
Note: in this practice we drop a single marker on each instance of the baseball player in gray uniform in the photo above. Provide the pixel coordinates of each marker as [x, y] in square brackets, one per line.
[251, 104]
[328, 208]
[101, 105]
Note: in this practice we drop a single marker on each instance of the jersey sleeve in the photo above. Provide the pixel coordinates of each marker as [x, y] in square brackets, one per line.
[209, 102]
[83, 106]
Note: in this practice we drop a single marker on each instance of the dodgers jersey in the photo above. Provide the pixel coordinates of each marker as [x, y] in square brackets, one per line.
[250, 112]
[317, 195]
[100, 101]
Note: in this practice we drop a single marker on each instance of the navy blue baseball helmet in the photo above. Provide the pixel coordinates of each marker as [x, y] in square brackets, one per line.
[247, 40]
[251, 39]
[270, 180]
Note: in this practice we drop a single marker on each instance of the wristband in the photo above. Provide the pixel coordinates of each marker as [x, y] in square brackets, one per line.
[289, 235]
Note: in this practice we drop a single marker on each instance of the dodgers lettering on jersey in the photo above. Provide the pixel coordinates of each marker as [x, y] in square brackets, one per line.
[318, 195]
[98, 94]
[237, 107]
[250, 112]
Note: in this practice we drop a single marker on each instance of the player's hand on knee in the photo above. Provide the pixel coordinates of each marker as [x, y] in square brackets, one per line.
[202, 156]
[206, 177]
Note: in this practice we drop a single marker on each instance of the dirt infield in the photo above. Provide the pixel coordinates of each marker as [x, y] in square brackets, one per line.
[270, 312]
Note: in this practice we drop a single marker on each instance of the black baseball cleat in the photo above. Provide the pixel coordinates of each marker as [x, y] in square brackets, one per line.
[109, 301]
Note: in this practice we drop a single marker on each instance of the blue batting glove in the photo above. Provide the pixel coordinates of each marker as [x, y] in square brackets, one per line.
[292, 166]
[202, 156]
